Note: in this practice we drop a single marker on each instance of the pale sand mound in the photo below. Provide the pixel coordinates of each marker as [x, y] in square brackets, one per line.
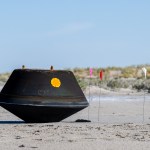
[95, 90]
[1, 87]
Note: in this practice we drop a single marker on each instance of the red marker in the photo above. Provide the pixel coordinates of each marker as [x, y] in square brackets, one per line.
[101, 74]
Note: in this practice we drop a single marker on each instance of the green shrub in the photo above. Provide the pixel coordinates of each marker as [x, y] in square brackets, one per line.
[114, 84]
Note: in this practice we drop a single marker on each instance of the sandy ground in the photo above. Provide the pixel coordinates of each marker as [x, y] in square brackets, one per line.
[120, 127]
[1, 87]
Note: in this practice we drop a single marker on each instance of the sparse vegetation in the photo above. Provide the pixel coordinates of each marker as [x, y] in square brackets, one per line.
[4, 77]
[114, 77]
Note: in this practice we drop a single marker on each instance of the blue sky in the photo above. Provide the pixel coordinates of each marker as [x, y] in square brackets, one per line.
[74, 33]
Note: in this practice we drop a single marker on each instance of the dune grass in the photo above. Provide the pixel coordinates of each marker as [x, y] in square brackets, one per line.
[114, 77]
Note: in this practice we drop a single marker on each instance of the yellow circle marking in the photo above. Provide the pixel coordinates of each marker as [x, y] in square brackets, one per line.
[55, 82]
